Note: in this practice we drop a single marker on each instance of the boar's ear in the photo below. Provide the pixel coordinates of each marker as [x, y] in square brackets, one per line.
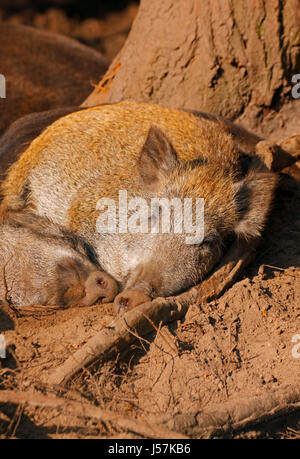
[253, 199]
[68, 271]
[157, 159]
[35, 223]
[73, 295]
[70, 287]
[26, 219]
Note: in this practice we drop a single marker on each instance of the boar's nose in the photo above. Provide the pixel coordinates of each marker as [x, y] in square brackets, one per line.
[99, 286]
[129, 299]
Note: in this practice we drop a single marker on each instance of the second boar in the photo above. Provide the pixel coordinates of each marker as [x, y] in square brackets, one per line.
[46, 265]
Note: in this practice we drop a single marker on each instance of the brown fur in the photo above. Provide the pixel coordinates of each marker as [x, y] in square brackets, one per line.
[150, 151]
[23, 131]
[44, 264]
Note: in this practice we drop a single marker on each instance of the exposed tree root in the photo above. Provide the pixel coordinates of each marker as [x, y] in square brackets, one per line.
[238, 414]
[85, 410]
[232, 415]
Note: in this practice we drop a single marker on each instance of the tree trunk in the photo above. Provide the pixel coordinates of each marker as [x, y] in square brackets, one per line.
[227, 57]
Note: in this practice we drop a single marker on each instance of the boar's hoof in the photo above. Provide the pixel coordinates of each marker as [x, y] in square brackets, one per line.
[129, 299]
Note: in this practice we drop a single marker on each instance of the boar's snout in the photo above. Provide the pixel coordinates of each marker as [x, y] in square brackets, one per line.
[99, 286]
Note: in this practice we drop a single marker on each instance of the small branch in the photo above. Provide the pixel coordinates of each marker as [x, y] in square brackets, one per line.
[4, 280]
[119, 335]
[274, 156]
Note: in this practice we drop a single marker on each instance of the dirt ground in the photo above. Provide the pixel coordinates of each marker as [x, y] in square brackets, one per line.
[228, 350]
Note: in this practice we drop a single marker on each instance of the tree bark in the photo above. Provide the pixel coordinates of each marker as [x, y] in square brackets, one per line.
[227, 57]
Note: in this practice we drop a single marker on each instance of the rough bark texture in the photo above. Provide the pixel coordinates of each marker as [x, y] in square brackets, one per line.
[221, 56]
